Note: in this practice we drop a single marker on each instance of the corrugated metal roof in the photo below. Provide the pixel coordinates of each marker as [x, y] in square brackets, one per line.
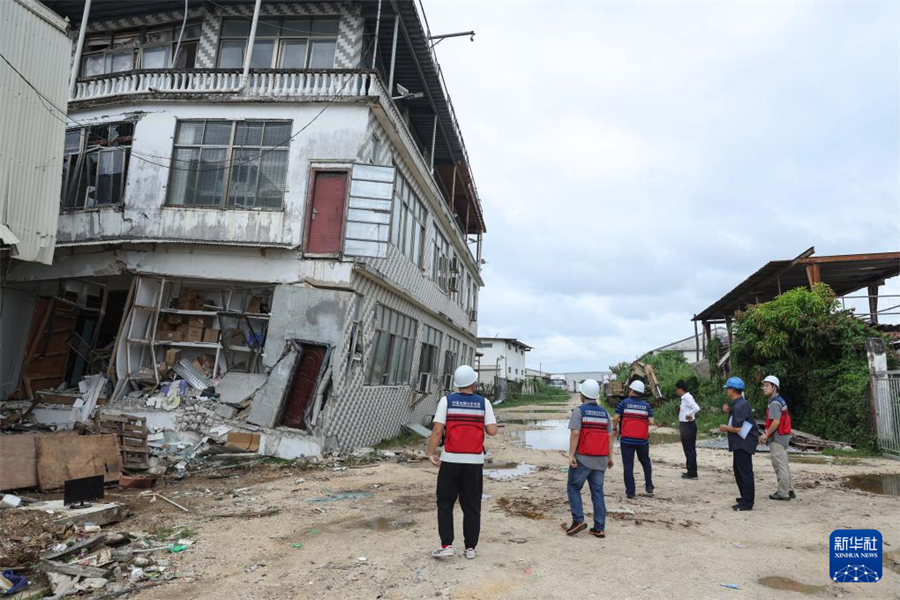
[34, 41]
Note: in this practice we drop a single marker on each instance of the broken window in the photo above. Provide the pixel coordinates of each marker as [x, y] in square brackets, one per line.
[95, 165]
[392, 348]
[408, 222]
[451, 360]
[440, 266]
[147, 48]
[230, 164]
[429, 357]
[279, 43]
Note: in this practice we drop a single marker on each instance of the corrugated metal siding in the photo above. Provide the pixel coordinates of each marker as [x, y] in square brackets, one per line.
[34, 40]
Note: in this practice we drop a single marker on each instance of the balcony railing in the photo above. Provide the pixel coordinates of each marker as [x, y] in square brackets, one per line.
[260, 83]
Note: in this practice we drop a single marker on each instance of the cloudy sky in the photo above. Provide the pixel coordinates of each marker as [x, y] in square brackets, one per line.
[638, 160]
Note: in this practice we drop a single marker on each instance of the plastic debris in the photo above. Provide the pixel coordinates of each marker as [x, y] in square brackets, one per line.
[296, 545]
[342, 496]
[10, 501]
[731, 586]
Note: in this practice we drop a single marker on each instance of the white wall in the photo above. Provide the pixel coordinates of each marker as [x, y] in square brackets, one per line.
[336, 135]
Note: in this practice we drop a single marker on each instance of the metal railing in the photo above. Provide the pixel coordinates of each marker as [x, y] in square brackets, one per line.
[269, 83]
[887, 411]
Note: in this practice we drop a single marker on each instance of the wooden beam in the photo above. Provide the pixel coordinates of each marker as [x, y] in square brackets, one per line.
[813, 274]
[852, 257]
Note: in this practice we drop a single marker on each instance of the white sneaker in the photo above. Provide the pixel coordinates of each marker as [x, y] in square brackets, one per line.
[444, 552]
[470, 553]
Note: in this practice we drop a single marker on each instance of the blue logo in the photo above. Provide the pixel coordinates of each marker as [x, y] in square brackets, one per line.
[855, 555]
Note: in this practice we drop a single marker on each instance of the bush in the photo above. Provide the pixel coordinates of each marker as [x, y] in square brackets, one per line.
[818, 352]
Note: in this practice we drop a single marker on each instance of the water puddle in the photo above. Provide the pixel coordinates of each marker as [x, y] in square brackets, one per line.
[786, 584]
[820, 459]
[875, 483]
[664, 438]
[342, 496]
[553, 434]
[510, 472]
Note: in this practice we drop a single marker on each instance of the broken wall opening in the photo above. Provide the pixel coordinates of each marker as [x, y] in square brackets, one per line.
[300, 401]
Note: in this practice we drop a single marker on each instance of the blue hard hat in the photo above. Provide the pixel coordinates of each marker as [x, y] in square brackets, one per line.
[735, 383]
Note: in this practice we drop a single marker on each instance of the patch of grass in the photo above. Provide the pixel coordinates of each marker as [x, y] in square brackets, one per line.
[278, 462]
[405, 438]
[186, 533]
[859, 453]
[163, 533]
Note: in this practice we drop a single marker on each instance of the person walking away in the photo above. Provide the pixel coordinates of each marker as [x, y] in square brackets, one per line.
[633, 419]
[687, 427]
[466, 417]
[743, 437]
[778, 436]
[590, 454]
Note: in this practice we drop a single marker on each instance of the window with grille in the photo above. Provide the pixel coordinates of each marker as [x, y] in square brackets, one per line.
[440, 267]
[408, 222]
[288, 43]
[230, 164]
[146, 48]
[95, 165]
[451, 360]
[391, 355]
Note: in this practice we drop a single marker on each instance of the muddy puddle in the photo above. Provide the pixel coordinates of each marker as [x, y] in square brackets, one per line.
[380, 524]
[509, 471]
[553, 434]
[875, 483]
[786, 584]
[820, 459]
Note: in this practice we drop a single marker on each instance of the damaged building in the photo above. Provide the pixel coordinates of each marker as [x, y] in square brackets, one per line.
[270, 199]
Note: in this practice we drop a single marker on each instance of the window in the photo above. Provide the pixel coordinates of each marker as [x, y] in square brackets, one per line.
[230, 164]
[95, 164]
[280, 43]
[149, 48]
[440, 267]
[392, 348]
[451, 360]
[431, 348]
[408, 222]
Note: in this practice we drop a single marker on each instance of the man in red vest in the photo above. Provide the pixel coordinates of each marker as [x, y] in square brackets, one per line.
[633, 419]
[590, 454]
[466, 417]
[778, 436]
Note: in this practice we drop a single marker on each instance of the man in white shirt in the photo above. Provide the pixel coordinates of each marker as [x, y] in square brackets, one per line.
[466, 417]
[687, 427]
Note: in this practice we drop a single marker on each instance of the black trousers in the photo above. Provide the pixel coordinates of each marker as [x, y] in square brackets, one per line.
[742, 462]
[643, 454]
[688, 432]
[456, 480]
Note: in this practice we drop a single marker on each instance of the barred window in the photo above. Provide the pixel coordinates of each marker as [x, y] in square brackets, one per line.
[392, 349]
[95, 165]
[440, 267]
[451, 361]
[145, 48]
[230, 164]
[408, 222]
[288, 43]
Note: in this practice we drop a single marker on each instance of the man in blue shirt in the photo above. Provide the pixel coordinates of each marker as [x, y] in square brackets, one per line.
[633, 419]
[743, 437]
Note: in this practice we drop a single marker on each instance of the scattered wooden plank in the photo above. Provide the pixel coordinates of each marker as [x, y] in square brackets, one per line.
[72, 570]
[88, 543]
[18, 462]
[71, 457]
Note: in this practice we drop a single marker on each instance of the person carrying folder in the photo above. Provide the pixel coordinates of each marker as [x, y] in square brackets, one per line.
[743, 437]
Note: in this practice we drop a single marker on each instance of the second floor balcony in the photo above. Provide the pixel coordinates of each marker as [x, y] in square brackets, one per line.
[270, 84]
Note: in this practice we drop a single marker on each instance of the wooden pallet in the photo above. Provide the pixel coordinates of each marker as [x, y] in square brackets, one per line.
[131, 433]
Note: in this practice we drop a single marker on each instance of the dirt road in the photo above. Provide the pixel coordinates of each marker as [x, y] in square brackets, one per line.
[683, 543]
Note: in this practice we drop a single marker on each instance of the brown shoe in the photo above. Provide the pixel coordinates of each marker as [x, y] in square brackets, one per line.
[575, 528]
[598, 533]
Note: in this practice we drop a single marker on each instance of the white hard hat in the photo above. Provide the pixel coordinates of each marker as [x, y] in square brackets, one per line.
[638, 386]
[773, 380]
[589, 389]
[464, 376]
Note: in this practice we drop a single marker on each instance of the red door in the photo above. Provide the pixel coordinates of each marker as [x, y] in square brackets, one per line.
[303, 387]
[325, 221]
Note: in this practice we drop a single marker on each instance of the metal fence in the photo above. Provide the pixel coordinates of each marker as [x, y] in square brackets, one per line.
[887, 411]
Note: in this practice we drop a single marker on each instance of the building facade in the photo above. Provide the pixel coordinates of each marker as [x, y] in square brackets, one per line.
[503, 358]
[247, 194]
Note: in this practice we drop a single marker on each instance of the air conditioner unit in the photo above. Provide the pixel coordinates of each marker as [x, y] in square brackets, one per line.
[424, 382]
[454, 264]
[454, 284]
[473, 315]
[448, 381]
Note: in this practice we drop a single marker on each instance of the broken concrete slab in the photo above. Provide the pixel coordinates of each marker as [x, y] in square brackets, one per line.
[99, 514]
[267, 400]
[237, 387]
[417, 429]
[225, 411]
[72, 570]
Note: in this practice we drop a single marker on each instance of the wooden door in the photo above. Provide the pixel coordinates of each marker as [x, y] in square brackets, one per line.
[325, 218]
[303, 387]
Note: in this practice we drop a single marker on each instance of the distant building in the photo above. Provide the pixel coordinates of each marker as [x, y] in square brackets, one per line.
[503, 358]
[693, 348]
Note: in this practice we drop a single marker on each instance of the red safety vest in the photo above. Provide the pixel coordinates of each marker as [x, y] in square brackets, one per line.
[784, 425]
[636, 421]
[594, 437]
[465, 424]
